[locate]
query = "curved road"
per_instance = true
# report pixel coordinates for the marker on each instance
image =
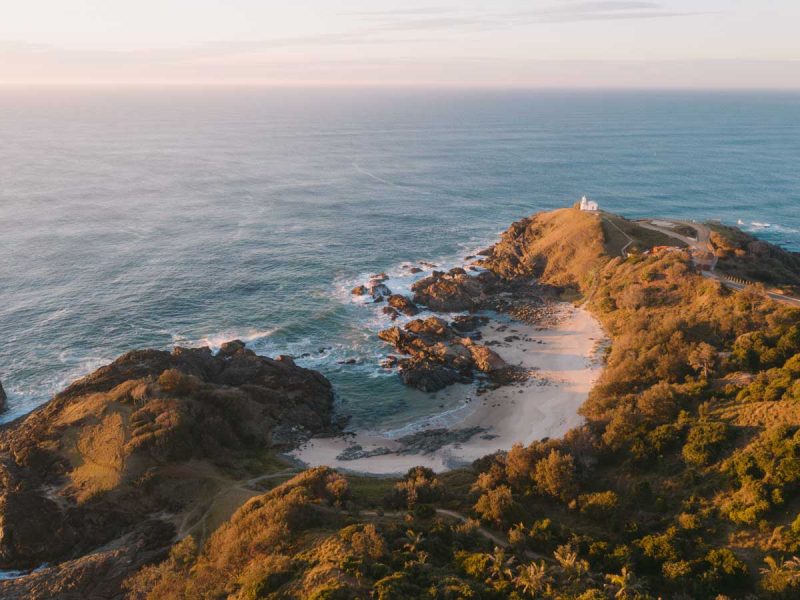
(704, 257)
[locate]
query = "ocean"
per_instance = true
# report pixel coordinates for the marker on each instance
(150, 218)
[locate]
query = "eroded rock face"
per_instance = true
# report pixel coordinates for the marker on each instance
(3, 398)
(139, 438)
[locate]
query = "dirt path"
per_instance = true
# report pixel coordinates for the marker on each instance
(617, 227)
(495, 538)
(231, 495)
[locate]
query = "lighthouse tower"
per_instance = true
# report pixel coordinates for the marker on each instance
(590, 205)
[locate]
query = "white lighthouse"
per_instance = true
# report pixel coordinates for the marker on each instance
(590, 205)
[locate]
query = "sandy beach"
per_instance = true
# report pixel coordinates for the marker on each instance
(564, 361)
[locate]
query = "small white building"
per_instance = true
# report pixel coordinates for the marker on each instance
(587, 204)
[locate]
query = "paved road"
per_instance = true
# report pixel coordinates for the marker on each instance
(703, 251)
(734, 285)
(703, 255)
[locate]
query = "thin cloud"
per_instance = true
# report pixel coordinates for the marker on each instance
(441, 19)
(428, 10)
(604, 10)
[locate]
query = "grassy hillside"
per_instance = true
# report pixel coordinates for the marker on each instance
(684, 482)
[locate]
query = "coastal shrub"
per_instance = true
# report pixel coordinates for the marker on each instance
(176, 382)
(520, 463)
(703, 442)
(473, 564)
(780, 578)
(747, 504)
(724, 571)
(495, 505)
(419, 486)
(600, 505)
(555, 475)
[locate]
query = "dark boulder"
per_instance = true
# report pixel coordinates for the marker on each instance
(431, 378)
(379, 291)
(432, 327)
(465, 323)
(228, 349)
(403, 305)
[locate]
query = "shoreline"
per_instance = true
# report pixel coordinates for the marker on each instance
(564, 361)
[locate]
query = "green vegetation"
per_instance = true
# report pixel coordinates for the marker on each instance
(743, 255)
(684, 482)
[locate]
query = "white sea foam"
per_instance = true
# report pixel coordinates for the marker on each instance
(215, 340)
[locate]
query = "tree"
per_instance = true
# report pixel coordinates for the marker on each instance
(573, 567)
(533, 579)
(625, 584)
(500, 565)
(555, 475)
(702, 358)
(495, 504)
(780, 576)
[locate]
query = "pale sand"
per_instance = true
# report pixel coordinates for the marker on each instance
(566, 365)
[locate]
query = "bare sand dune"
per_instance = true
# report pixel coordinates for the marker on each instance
(564, 359)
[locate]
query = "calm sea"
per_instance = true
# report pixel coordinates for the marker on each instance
(153, 218)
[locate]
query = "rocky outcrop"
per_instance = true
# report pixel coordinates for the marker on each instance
(139, 438)
(402, 305)
(439, 356)
(449, 292)
(561, 248)
(99, 574)
(379, 291)
(3, 398)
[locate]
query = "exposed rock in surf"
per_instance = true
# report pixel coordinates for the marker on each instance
(379, 291)
(449, 292)
(438, 355)
(3, 398)
(231, 348)
(390, 312)
(403, 305)
(359, 290)
(389, 362)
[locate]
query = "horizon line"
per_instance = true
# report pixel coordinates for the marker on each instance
(126, 84)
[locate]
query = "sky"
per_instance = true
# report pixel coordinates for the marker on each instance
(500, 43)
